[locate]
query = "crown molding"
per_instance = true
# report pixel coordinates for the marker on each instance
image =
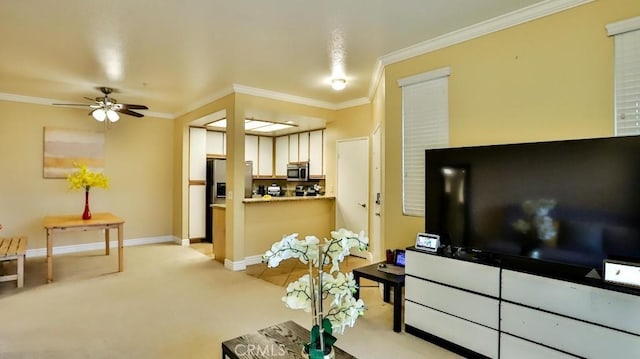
(623, 26)
(27, 99)
(50, 102)
(353, 103)
(502, 22)
(246, 90)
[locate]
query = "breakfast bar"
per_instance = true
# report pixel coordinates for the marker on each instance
(268, 220)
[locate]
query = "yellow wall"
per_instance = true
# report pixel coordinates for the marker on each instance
(353, 122)
(138, 162)
(547, 79)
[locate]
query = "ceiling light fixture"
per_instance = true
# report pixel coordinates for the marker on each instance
(338, 84)
(99, 115)
(112, 115)
(253, 125)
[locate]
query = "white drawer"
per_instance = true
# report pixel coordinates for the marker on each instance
(457, 273)
(459, 331)
(474, 307)
(569, 335)
(596, 305)
(516, 348)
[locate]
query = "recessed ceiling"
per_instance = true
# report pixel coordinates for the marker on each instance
(172, 55)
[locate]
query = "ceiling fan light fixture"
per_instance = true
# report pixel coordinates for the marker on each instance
(338, 84)
(112, 115)
(99, 115)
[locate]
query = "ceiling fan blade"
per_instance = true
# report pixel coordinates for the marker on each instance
(70, 104)
(129, 112)
(89, 98)
(133, 107)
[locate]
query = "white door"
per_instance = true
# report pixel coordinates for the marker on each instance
(352, 186)
(376, 197)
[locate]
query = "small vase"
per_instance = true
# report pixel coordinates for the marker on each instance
(331, 355)
(87, 213)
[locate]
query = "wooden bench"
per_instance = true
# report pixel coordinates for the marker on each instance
(10, 249)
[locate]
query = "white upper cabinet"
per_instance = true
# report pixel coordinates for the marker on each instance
(293, 148)
(265, 156)
(251, 151)
(316, 153)
(303, 147)
(197, 154)
(216, 143)
(282, 155)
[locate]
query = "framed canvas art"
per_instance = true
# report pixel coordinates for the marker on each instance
(64, 147)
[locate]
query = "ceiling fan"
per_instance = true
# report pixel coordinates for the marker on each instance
(106, 107)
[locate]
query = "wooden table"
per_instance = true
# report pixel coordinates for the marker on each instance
(388, 281)
(284, 340)
(68, 223)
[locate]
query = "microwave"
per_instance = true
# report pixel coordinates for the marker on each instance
(298, 171)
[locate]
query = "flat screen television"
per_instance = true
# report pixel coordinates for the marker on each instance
(573, 202)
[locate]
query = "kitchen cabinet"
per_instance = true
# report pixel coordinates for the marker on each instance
(197, 211)
(216, 143)
(197, 154)
(303, 147)
(293, 148)
(251, 151)
(316, 153)
(265, 156)
(259, 150)
(282, 155)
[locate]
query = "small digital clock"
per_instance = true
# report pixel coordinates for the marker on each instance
(428, 242)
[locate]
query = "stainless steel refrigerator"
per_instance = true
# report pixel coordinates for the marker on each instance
(216, 191)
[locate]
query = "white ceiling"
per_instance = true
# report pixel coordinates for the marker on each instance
(173, 55)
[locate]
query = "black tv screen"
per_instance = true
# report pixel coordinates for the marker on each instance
(573, 202)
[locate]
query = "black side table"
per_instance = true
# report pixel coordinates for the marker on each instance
(388, 281)
(282, 341)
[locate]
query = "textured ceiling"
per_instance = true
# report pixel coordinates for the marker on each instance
(172, 55)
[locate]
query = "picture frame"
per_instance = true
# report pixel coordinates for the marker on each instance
(62, 148)
(428, 242)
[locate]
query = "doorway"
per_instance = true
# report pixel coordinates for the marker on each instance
(352, 187)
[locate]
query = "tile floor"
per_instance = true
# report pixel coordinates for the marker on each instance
(289, 270)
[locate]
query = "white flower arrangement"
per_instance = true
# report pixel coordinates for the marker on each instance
(311, 290)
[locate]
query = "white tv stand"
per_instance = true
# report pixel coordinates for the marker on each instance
(491, 311)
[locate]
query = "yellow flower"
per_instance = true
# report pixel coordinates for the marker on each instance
(85, 179)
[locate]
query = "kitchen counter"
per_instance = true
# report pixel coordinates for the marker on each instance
(287, 198)
(267, 220)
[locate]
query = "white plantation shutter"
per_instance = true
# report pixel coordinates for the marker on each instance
(627, 76)
(425, 125)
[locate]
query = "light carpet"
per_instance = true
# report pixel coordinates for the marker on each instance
(170, 302)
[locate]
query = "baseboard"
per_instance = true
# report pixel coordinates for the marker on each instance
(252, 260)
(234, 266)
(41, 252)
(185, 242)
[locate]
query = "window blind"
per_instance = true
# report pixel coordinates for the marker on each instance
(425, 125)
(627, 76)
